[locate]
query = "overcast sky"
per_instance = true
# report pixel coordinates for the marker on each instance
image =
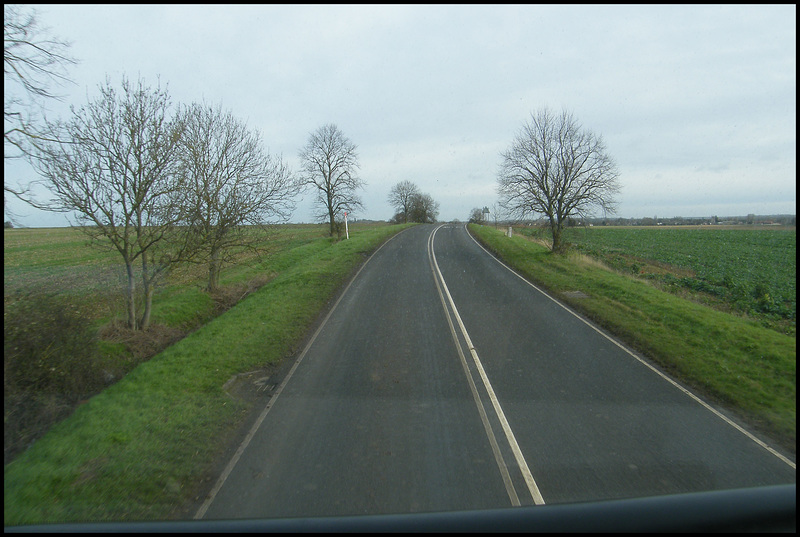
(696, 104)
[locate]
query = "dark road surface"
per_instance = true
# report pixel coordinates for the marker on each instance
(441, 381)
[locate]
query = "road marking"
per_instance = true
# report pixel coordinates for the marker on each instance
(685, 390)
(498, 456)
(533, 488)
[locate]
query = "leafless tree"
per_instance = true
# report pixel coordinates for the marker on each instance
(231, 185)
(400, 197)
(497, 213)
(476, 216)
(557, 169)
(423, 209)
(329, 165)
(113, 166)
(33, 62)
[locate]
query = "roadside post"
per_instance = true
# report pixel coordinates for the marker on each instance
(346, 232)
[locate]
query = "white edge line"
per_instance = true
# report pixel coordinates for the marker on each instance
(641, 360)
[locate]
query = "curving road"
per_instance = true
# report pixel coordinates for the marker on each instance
(442, 381)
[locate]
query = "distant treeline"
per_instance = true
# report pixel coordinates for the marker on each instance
(750, 219)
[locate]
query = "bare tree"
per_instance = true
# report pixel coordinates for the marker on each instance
(497, 213)
(231, 184)
(329, 164)
(114, 167)
(400, 197)
(32, 63)
(423, 209)
(556, 168)
(476, 216)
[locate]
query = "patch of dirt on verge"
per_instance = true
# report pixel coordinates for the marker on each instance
(251, 385)
(254, 389)
(142, 344)
(89, 471)
(228, 296)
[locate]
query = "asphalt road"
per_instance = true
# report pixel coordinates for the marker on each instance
(441, 381)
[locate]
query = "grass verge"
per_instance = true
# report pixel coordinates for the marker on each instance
(746, 367)
(136, 450)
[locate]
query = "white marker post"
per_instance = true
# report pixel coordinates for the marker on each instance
(346, 232)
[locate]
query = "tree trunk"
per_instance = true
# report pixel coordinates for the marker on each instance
(556, 240)
(148, 307)
(213, 271)
(147, 288)
(130, 296)
(555, 228)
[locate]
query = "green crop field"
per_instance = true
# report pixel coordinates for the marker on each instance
(749, 270)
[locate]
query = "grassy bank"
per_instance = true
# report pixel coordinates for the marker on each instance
(136, 450)
(740, 363)
(65, 336)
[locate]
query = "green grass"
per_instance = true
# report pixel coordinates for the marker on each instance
(136, 450)
(749, 270)
(746, 366)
